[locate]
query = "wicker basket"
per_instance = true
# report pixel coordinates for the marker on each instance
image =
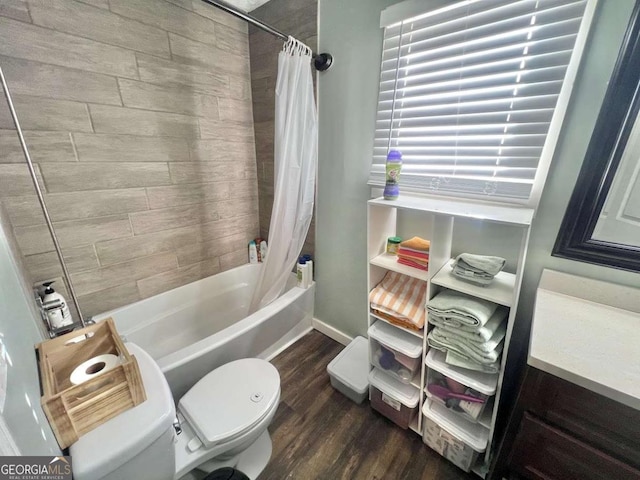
(73, 410)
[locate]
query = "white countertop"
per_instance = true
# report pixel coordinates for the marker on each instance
(593, 344)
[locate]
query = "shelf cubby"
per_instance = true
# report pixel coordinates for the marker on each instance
(439, 220)
(500, 290)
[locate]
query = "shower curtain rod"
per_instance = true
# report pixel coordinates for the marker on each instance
(321, 61)
(39, 194)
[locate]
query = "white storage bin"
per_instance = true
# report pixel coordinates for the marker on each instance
(395, 351)
(449, 385)
(393, 399)
(349, 371)
(453, 437)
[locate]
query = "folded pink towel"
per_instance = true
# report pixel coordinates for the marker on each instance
(411, 263)
(412, 254)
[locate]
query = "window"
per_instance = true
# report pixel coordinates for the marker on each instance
(474, 93)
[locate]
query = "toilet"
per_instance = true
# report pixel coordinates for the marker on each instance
(220, 422)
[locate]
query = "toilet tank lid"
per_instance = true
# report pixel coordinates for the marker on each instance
(231, 399)
(115, 442)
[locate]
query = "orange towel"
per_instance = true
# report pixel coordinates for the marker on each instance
(396, 321)
(400, 296)
(417, 243)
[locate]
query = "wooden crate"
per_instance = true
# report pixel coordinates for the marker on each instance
(73, 410)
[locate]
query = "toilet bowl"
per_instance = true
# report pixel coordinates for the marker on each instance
(220, 422)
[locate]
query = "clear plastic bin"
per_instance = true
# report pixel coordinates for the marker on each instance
(395, 351)
(349, 371)
(393, 399)
(458, 398)
(450, 386)
(456, 439)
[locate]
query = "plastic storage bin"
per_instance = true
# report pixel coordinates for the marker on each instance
(396, 352)
(453, 437)
(393, 399)
(455, 388)
(349, 371)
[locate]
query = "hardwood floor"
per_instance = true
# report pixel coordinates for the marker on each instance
(318, 433)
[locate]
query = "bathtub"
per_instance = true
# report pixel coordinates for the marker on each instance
(193, 329)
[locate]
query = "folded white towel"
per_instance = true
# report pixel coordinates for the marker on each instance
(458, 309)
(480, 333)
(439, 337)
(481, 348)
(469, 276)
(456, 360)
(483, 265)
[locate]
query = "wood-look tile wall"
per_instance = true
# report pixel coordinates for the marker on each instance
(138, 115)
(298, 18)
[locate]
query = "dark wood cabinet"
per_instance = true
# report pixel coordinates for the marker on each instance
(561, 431)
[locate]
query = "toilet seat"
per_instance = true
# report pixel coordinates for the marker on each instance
(231, 400)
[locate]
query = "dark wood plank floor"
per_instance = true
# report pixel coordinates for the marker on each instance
(318, 433)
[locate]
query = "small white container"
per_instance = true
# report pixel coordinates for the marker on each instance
(395, 351)
(393, 399)
(349, 371)
(453, 437)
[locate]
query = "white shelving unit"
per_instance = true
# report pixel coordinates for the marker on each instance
(435, 219)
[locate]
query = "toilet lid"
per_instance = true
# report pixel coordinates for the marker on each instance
(231, 399)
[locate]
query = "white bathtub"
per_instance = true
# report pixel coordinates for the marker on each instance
(195, 328)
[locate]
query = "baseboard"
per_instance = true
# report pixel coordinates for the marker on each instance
(331, 332)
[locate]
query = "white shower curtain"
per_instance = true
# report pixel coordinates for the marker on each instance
(295, 158)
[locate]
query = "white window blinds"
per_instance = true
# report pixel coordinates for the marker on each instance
(468, 93)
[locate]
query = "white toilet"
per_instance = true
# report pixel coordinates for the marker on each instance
(223, 418)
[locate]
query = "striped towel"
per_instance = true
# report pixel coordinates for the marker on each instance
(411, 263)
(413, 254)
(400, 296)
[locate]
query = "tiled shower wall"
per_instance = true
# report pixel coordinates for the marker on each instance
(138, 116)
(298, 18)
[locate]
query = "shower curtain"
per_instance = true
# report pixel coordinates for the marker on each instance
(296, 158)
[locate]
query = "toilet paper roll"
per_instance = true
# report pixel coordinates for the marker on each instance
(93, 367)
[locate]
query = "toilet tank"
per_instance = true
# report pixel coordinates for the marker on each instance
(138, 443)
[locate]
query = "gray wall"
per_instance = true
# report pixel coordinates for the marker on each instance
(347, 102)
(589, 90)
(298, 18)
(19, 331)
(138, 115)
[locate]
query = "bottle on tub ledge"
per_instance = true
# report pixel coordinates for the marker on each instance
(253, 252)
(309, 261)
(304, 271)
(56, 308)
(257, 250)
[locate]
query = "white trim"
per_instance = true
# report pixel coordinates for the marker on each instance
(555, 127)
(331, 332)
